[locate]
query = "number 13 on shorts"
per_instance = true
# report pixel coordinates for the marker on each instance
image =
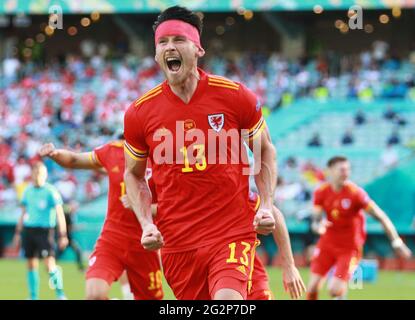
(244, 259)
(243, 253)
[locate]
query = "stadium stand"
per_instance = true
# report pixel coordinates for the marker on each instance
(77, 101)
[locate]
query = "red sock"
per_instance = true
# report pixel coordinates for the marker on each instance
(312, 295)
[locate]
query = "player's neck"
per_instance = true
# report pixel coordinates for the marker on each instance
(337, 186)
(187, 88)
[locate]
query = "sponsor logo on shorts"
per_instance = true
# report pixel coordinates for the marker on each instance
(241, 269)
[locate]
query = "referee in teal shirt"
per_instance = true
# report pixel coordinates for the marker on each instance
(41, 211)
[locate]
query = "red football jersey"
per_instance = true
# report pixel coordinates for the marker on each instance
(119, 222)
(200, 200)
(344, 209)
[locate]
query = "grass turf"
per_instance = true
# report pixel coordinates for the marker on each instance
(390, 284)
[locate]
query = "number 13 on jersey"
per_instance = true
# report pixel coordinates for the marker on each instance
(200, 164)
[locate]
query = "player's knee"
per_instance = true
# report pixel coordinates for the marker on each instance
(336, 291)
(314, 284)
(96, 295)
(96, 292)
(312, 287)
(32, 265)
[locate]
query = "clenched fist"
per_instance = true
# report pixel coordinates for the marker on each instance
(47, 150)
(264, 221)
(151, 238)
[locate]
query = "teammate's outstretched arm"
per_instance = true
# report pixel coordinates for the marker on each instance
(293, 283)
(75, 160)
(140, 201)
(265, 180)
(69, 159)
(397, 244)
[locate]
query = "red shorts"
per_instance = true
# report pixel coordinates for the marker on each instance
(108, 262)
(260, 282)
(345, 261)
(198, 274)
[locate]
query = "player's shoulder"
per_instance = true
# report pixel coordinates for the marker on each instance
(219, 82)
(103, 148)
(148, 97)
(353, 187)
(117, 144)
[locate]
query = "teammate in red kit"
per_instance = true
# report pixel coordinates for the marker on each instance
(343, 231)
(291, 277)
(204, 224)
(118, 247)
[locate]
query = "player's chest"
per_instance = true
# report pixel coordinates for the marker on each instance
(211, 116)
(339, 207)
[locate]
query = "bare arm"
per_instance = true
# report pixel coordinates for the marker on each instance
(291, 277)
(265, 157)
(282, 238)
(390, 229)
(127, 204)
(139, 196)
(265, 180)
(60, 217)
(69, 159)
(19, 226)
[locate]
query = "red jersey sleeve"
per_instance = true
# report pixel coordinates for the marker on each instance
(252, 121)
(362, 199)
(100, 155)
(135, 143)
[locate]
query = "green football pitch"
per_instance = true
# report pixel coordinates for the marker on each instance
(389, 285)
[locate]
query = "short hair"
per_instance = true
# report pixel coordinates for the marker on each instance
(336, 159)
(180, 13)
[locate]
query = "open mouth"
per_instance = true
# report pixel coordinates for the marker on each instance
(173, 64)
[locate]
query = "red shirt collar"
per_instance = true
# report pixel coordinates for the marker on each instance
(200, 89)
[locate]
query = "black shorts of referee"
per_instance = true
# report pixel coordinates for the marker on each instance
(38, 242)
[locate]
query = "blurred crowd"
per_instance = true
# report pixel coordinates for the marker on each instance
(79, 103)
